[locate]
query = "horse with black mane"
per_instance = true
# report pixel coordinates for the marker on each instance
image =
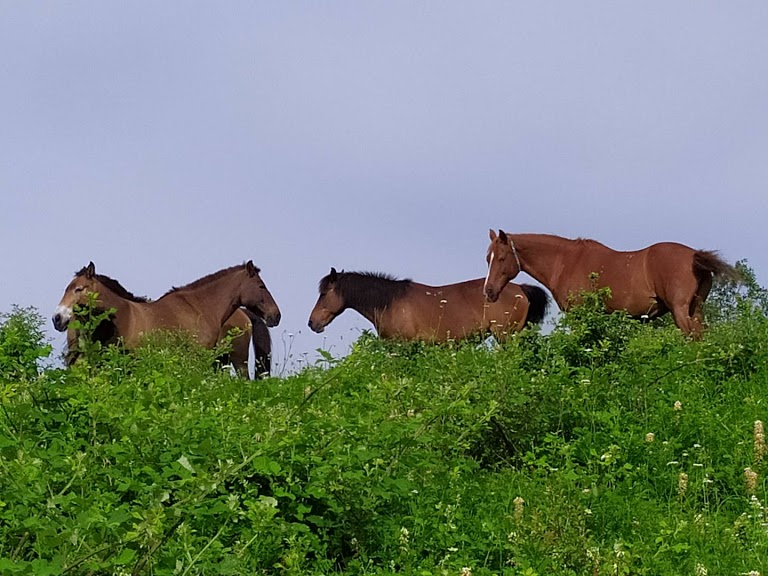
(407, 310)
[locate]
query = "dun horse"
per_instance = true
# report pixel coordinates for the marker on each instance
(664, 277)
(197, 307)
(406, 310)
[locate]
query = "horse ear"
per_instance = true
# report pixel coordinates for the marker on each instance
(250, 268)
(90, 270)
(492, 234)
(332, 276)
(503, 236)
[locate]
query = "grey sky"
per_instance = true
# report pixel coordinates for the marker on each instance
(167, 140)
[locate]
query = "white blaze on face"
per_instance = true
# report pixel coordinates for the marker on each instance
(488, 275)
(64, 313)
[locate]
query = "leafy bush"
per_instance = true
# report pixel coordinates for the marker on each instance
(22, 344)
(607, 447)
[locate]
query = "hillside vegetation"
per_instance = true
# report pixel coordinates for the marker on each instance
(606, 447)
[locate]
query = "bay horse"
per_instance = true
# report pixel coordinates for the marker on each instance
(251, 331)
(208, 308)
(661, 278)
(260, 338)
(407, 310)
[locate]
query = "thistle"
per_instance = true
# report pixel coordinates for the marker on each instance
(760, 447)
(750, 479)
(519, 503)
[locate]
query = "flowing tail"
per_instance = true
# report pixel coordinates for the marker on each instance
(709, 263)
(538, 303)
(262, 346)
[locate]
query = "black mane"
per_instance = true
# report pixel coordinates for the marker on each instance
(366, 290)
(114, 286)
(207, 279)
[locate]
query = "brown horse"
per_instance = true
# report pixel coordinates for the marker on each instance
(250, 329)
(208, 307)
(406, 310)
(248, 322)
(664, 277)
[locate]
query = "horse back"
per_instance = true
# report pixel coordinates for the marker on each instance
(454, 311)
(634, 278)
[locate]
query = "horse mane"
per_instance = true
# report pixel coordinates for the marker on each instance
(589, 241)
(114, 286)
(205, 279)
(366, 290)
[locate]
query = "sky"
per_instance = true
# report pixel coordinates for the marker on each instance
(166, 140)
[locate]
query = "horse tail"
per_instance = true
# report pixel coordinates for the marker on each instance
(262, 346)
(709, 263)
(538, 303)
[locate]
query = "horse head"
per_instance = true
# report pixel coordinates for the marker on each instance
(255, 297)
(75, 294)
(329, 304)
(503, 264)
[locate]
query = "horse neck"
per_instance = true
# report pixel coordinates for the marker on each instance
(367, 310)
(542, 255)
(365, 301)
(109, 299)
(217, 299)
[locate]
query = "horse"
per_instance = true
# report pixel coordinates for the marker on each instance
(407, 310)
(664, 277)
(250, 330)
(248, 322)
(208, 308)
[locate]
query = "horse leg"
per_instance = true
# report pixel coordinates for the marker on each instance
(688, 315)
(239, 354)
(697, 303)
(262, 348)
(680, 313)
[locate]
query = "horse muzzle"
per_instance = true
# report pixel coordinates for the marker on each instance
(272, 320)
(490, 294)
(315, 327)
(61, 318)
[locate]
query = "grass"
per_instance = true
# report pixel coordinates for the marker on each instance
(605, 447)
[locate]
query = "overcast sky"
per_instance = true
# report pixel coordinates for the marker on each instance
(168, 140)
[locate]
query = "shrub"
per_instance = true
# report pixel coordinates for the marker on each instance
(607, 447)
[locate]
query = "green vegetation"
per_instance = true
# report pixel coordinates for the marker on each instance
(606, 447)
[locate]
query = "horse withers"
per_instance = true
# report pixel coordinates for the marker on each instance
(407, 310)
(664, 277)
(207, 308)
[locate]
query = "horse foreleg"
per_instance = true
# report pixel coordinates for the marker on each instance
(238, 356)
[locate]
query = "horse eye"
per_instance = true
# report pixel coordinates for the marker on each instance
(79, 289)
